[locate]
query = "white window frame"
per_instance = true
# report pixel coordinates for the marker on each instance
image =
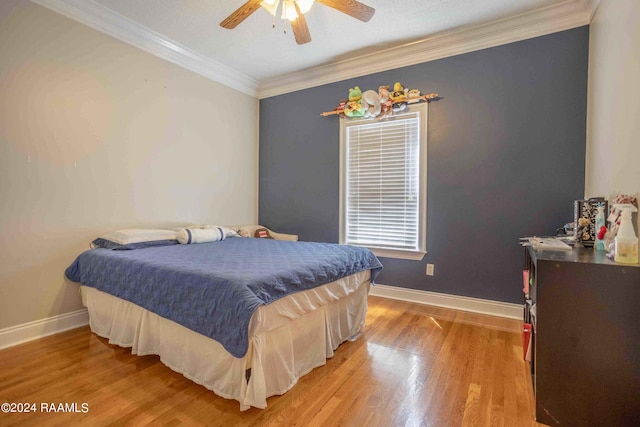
(421, 111)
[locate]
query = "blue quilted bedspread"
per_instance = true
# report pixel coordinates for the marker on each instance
(214, 288)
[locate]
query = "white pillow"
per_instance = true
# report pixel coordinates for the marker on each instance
(187, 236)
(137, 235)
(228, 231)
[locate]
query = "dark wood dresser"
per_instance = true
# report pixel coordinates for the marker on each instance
(585, 359)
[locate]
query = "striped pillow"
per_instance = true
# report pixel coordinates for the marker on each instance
(187, 236)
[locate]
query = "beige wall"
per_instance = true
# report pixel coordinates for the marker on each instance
(613, 130)
(97, 135)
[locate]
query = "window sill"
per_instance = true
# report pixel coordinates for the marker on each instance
(398, 254)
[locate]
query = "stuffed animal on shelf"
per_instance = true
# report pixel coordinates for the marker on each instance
(385, 101)
(371, 103)
(398, 107)
(354, 107)
(380, 105)
(413, 93)
(383, 94)
(398, 92)
(397, 96)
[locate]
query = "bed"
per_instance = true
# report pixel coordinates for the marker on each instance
(244, 317)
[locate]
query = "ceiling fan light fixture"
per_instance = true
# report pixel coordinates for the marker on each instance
(288, 7)
(289, 10)
(294, 11)
(271, 6)
(305, 5)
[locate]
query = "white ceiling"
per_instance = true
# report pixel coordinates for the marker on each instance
(263, 61)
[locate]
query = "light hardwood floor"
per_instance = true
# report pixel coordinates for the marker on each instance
(413, 365)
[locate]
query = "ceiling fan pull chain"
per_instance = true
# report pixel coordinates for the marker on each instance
(284, 21)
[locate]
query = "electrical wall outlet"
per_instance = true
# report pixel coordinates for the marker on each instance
(430, 269)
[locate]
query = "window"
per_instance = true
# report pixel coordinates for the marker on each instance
(383, 183)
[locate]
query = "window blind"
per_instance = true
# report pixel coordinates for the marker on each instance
(382, 203)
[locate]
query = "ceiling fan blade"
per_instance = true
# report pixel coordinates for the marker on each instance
(241, 14)
(299, 27)
(351, 7)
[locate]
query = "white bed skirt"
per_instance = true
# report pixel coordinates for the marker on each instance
(287, 338)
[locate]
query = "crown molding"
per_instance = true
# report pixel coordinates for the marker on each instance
(564, 16)
(105, 20)
(592, 7)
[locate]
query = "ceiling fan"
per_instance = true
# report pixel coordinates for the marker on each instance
(294, 11)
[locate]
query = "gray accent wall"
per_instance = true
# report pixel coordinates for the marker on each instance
(506, 156)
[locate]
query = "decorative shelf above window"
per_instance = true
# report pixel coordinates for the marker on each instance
(384, 103)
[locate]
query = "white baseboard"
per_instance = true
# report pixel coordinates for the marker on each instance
(19, 334)
(475, 305)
